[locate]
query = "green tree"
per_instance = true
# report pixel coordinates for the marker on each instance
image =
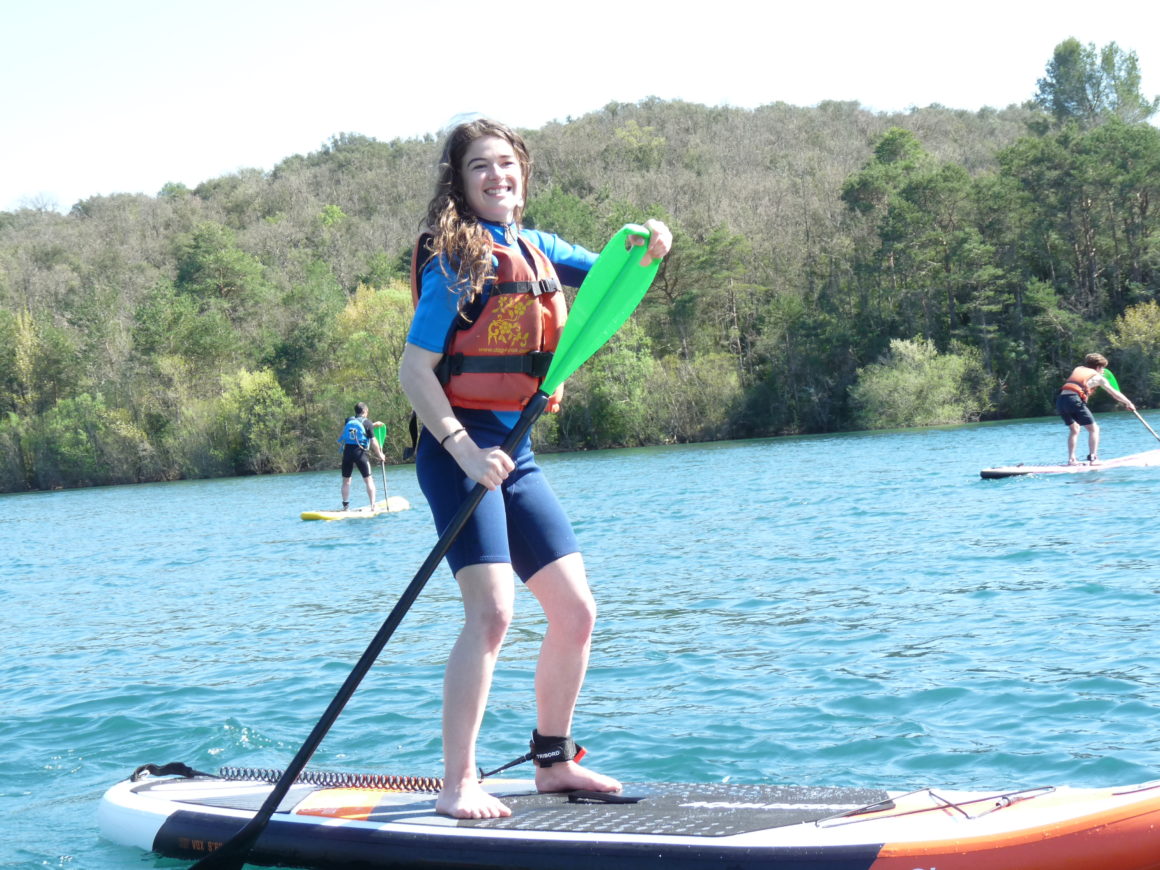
(15, 463)
(307, 342)
(181, 419)
(1089, 86)
(43, 365)
(702, 300)
(223, 278)
(256, 424)
(897, 155)
(82, 442)
(1126, 158)
(640, 146)
(10, 378)
(369, 336)
(920, 209)
(915, 385)
(555, 211)
(607, 401)
(693, 400)
(1086, 199)
(171, 323)
(1135, 336)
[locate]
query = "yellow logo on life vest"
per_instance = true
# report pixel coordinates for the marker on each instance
(507, 331)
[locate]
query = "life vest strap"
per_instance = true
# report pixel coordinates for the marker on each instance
(1075, 388)
(544, 285)
(535, 363)
(413, 430)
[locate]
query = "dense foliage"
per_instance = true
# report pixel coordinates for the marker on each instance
(834, 268)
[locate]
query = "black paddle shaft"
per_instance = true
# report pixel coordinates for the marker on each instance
(231, 854)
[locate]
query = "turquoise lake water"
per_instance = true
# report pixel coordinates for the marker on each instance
(857, 609)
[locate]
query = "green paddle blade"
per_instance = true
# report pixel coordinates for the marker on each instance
(380, 431)
(1111, 379)
(614, 287)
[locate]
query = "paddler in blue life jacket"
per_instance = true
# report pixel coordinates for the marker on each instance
(357, 439)
(489, 311)
(1071, 404)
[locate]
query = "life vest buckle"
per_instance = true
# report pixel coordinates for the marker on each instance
(539, 361)
(451, 364)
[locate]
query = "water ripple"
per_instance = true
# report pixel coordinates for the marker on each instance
(854, 610)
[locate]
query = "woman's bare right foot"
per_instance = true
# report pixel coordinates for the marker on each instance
(469, 801)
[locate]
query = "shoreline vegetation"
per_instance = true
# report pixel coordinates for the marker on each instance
(833, 269)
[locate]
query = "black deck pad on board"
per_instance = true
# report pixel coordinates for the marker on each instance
(681, 809)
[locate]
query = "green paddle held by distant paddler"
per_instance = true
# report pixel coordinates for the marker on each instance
(611, 292)
(1116, 386)
(380, 430)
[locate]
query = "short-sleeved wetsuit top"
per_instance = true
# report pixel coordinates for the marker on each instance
(522, 522)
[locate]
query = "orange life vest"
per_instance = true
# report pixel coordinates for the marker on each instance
(497, 354)
(1077, 381)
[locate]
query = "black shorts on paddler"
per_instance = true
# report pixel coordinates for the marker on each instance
(353, 455)
(1073, 409)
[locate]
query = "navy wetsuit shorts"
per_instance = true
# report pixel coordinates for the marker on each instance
(521, 523)
(1073, 409)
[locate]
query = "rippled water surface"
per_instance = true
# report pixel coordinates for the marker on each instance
(850, 610)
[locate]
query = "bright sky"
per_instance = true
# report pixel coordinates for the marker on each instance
(110, 96)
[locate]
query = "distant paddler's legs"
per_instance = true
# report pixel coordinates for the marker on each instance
(1072, 440)
(1093, 430)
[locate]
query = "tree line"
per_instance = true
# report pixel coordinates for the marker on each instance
(833, 269)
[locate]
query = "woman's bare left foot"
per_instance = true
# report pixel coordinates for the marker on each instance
(570, 776)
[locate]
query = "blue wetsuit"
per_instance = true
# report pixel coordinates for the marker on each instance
(522, 522)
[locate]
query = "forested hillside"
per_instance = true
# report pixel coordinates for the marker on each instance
(833, 268)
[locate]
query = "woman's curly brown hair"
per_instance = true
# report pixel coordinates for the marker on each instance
(458, 240)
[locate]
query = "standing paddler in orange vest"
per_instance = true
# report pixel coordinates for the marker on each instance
(1071, 404)
(489, 312)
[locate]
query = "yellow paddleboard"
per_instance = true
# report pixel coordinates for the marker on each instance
(392, 505)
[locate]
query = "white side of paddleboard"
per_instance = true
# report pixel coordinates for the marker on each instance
(676, 825)
(128, 825)
(1136, 460)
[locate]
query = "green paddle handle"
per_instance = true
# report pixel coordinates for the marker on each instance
(1116, 386)
(380, 430)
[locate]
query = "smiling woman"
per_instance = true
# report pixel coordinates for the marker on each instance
(489, 316)
(494, 179)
